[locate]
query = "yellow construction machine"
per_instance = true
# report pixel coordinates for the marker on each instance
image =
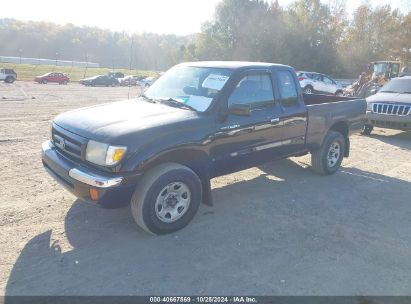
(377, 74)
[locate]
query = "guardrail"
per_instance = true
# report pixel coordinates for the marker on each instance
(56, 62)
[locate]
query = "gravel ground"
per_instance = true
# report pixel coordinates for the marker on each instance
(276, 229)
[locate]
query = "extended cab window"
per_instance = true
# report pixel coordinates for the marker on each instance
(287, 89)
(255, 90)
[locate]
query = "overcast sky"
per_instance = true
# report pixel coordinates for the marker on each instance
(158, 16)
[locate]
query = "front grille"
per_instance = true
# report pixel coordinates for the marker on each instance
(68, 143)
(391, 109)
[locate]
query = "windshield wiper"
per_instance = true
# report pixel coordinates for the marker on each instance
(145, 97)
(388, 92)
(405, 92)
(179, 104)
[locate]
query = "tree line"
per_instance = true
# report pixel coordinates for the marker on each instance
(307, 34)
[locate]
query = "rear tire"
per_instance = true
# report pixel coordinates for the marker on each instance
(308, 90)
(44, 81)
(367, 129)
(327, 159)
(166, 199)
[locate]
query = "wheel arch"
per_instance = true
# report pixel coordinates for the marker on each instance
(195, 159)
(342, 127)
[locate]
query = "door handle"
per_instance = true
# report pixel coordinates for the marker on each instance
(275, 121)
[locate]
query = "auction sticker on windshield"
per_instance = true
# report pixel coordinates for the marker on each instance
(215, 82)
(200, 103)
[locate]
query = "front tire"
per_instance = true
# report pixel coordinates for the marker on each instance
(367, 129)
(327, 159)
(166, 199)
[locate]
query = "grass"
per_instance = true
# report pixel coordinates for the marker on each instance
(29, 71)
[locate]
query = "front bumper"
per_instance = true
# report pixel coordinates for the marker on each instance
(114, 190)
(388, 121)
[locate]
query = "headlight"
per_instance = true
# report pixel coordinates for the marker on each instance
(104, 154)
(369, 106)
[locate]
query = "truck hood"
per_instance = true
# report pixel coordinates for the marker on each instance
(112, 122)
(390, 98)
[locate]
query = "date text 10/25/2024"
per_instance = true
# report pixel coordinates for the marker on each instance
(203, 299)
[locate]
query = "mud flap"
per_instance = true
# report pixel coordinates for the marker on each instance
(347, 147)
(207, 198)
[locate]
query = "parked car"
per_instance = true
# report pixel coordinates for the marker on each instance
(160, 151)
(146, 82)
(8, 75)
(390, 107)
(52, 77)
(100, 80)
(129, 80)
(115, 74)
(312, 82)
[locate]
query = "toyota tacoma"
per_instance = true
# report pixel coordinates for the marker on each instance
(196, 122)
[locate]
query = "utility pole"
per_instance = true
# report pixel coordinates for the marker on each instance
(85, 71)
(131, 52)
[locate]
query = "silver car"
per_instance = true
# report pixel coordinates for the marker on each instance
(146, 82)
(391, 107)
(312, 82)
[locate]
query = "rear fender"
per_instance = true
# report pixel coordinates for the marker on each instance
(342, 127)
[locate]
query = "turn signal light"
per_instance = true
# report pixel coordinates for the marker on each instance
(94, 194)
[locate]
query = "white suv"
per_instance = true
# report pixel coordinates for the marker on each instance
(7, 75)
(312, 82)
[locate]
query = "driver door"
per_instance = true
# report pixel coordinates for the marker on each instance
(243, 141)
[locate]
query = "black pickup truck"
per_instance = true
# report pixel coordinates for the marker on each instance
(198, 121)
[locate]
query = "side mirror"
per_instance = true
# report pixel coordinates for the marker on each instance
(240, 109)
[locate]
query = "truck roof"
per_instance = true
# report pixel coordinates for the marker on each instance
(232, 64)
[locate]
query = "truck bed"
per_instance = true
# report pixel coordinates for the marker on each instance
(325, 111)
(315, 99)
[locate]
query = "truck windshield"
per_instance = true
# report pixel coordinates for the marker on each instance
(194, 86)
(397, 85)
